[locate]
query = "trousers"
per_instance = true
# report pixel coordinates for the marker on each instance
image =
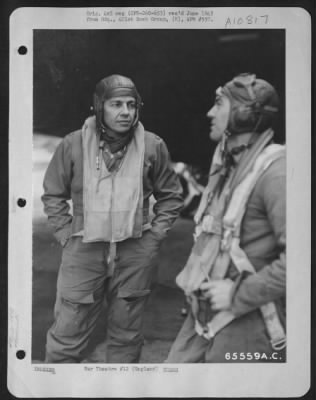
(83, 283)
(244, 339)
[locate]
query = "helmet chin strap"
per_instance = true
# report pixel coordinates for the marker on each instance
(235, 150)
(223, 144)
(136, 118)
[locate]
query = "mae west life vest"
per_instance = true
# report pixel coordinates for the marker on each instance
(113, 201)
(224, 240)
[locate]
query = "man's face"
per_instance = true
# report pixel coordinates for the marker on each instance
(219, 116)
(119, 113)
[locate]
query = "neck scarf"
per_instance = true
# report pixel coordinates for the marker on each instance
(115, 144)
(113, 148)
(112, 161)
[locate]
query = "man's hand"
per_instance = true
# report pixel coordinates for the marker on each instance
(219, 292)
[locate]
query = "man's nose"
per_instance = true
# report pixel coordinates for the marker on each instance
(210, 113)
(124, 109)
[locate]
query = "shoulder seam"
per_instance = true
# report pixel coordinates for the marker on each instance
(154, 135)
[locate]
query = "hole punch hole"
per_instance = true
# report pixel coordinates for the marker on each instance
(20, 354)
(22, 50)
(21, 202)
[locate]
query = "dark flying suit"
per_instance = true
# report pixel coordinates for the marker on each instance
(82, 279)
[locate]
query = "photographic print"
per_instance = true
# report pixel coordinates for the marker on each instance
(156, 175)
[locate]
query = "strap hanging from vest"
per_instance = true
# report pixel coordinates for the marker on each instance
(111, 258)
(268, 311)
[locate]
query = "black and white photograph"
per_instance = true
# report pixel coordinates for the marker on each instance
(161, 172)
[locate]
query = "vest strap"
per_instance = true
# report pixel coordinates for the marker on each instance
(230, 243)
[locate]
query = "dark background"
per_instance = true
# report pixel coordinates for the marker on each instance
(175, 71)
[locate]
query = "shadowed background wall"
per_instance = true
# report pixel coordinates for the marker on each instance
(175, 71)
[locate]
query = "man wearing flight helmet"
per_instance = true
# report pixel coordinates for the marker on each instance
(234, 278)
(109, 169)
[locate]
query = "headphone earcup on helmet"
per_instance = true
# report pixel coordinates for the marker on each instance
(242, 113)
(136, 119)
(97, 104)
(243, 116)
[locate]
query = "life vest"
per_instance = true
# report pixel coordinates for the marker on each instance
(224, 248)
(112, 201)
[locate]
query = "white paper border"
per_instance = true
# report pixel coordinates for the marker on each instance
(290, 379)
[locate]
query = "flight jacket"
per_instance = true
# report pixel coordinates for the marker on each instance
(63, 181)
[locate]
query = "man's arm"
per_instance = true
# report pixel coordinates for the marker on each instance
(251, 291)
(57, 191)
(269, 283)
(167, 191)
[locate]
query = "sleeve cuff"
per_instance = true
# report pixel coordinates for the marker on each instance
(62, 235)
(237, 311)
(159, 232)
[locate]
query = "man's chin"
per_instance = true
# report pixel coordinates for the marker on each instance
(215, 136)
(123, 132)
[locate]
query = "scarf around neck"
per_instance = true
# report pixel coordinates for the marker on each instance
(115, 144)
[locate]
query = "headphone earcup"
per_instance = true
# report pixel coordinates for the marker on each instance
(244, 115)
(97, 104)
(136, 119)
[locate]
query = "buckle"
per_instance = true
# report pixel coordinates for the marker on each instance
(207, 223)
(208, 333)
(227, 239)
(278, 344)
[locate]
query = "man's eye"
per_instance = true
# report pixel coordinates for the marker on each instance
(132, 106)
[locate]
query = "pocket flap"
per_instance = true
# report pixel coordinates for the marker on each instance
(132, 293)
(80, 299)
